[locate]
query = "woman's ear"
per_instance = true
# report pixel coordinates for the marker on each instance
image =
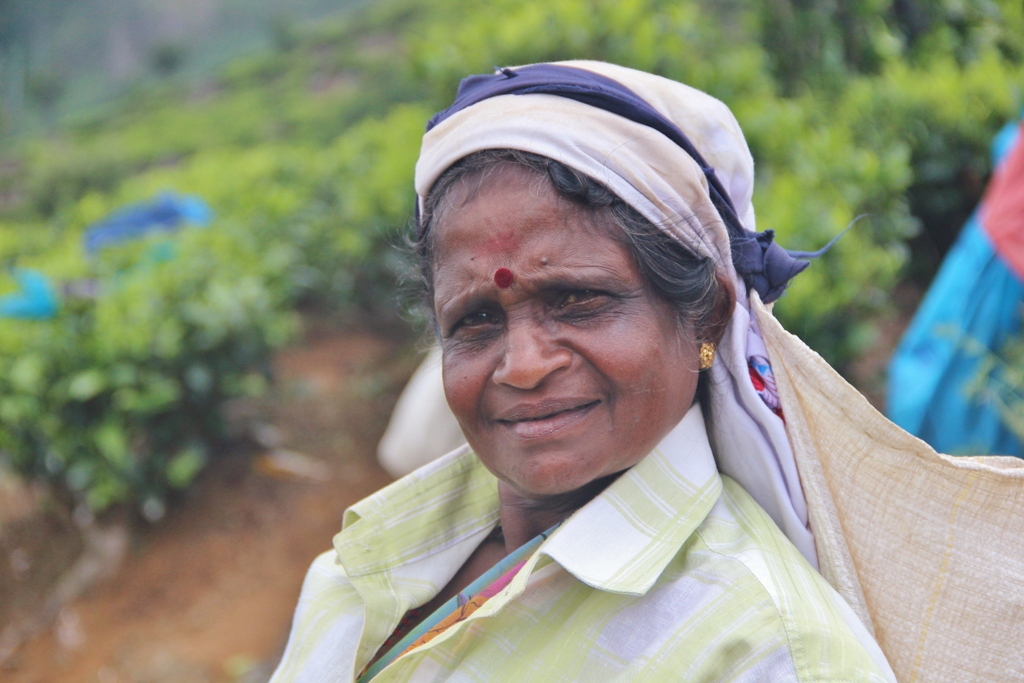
(720, 316)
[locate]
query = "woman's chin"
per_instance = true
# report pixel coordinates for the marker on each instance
(554, 479)
(554, 466)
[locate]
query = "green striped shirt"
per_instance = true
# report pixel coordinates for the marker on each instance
(672, 573)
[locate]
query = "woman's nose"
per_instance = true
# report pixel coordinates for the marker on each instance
(530, 356)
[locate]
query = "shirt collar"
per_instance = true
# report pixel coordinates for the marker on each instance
(621, 541)
(434, 509)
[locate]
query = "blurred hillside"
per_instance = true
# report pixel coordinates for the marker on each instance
(60, 57)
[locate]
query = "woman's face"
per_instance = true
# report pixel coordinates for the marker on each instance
(575, 371)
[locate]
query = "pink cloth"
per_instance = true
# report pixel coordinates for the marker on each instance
(1003, 204)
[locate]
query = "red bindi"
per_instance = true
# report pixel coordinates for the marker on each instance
(504, 278)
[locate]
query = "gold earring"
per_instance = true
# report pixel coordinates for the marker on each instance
(707, 355)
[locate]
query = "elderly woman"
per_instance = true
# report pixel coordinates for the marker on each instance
(628, 507)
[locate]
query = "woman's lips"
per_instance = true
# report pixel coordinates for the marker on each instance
(534, 422)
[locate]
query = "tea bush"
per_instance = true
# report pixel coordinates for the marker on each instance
(119, 396)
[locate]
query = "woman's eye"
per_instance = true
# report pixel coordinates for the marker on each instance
(578, 297)
(478, 318)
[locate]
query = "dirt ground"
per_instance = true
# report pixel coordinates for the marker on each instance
(206, 595)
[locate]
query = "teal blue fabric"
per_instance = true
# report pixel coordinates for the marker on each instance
(974, 300)
(34, 300)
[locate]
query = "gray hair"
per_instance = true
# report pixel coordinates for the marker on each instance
(670, 270)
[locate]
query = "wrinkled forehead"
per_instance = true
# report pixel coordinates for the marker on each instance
(513, 192)
(477, 173)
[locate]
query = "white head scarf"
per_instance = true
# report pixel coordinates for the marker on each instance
(667, 186)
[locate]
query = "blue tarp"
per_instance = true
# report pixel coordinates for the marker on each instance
(166, 213)
(35, 300)
(974, 300)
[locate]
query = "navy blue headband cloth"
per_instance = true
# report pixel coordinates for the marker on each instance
(764, 265)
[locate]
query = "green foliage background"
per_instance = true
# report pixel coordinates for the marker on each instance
(306, 157)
